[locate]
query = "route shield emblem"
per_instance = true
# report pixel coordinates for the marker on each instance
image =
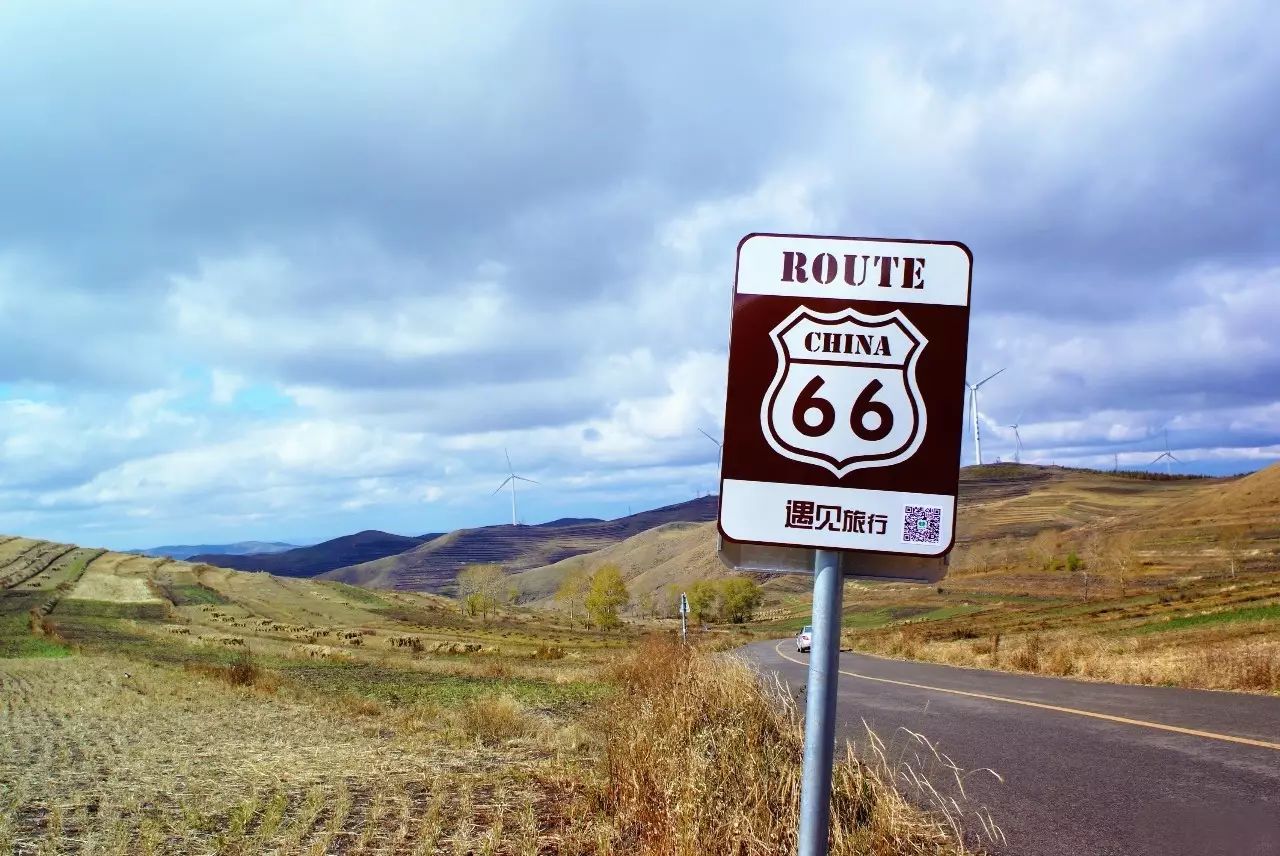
(845, 396)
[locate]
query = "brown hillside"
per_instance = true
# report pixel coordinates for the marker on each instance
(1020, 500)
(676, 553)
(1004, 504)
(434, 566)
(1252, 501)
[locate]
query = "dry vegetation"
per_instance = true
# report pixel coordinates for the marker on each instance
(677, 553)
(100, 585)
(1114, 577)
(109, 755)
(1018, 524)
(1214, 634)
(264, 715)
(702, 757)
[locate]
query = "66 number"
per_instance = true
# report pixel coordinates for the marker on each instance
(863, 407)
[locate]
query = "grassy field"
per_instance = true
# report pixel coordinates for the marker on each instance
(151, 707)
(1207, 634)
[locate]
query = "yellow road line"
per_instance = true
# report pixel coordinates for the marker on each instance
(1212, 735)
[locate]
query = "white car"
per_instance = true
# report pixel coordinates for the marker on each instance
(804, 639)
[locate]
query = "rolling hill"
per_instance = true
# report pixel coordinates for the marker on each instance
(675, 553)
(318, 558)
(1253, 501)
(1002, 507)
(433, 566)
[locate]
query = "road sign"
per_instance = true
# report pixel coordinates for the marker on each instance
(845, 402)
(842, 434)
(684, 604)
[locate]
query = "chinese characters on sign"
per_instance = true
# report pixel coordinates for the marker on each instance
(804, 514)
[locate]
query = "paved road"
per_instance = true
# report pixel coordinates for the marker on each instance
(1088, 768)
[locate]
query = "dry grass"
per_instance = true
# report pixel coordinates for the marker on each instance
(691, 755)
(1250, 664)
(242, 671)
(496, 719)
(103, 586)
(1208, 633)
(703, 758)
(107, 755)
(149, 739)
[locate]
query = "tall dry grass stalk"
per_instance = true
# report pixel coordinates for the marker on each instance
(704, 758)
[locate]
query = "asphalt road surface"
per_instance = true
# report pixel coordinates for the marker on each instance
(1088, 768)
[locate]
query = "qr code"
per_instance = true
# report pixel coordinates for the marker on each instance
(922, 524)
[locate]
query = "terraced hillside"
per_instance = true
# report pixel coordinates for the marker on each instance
(1021, 500)
(434, 566)
(1003, 509)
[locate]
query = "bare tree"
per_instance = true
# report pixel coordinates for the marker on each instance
(1122, 558)
(1043, 550)
(1233, 540)
(573, 591)
(977, 557)
(1094, 561)
(482, 588)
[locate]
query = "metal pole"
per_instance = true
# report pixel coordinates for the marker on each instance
(684, 611)
(820, 707)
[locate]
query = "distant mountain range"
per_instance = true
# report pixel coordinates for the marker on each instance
(240, 548)
(431, 562)
(309, 561)
(434, 565)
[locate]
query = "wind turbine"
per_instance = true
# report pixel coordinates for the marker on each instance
(1017, 451)
(511, 480)
(719, 445)
(973, 411)
(1166, 456)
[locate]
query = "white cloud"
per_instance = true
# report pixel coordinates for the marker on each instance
(444, 233)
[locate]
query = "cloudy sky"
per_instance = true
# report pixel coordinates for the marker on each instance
(280, 270)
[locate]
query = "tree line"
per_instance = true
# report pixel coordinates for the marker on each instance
(598, 598)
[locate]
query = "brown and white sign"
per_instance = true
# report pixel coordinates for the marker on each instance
(846, 394)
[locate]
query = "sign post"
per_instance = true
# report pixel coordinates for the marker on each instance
(843, 422)
(684, 612)
(820, 704)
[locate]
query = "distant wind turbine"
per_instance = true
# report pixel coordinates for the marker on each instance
(973, 411)
(719, 445)
(719, 450)
(1017, 450)
(1166, 456)
(511, 480)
